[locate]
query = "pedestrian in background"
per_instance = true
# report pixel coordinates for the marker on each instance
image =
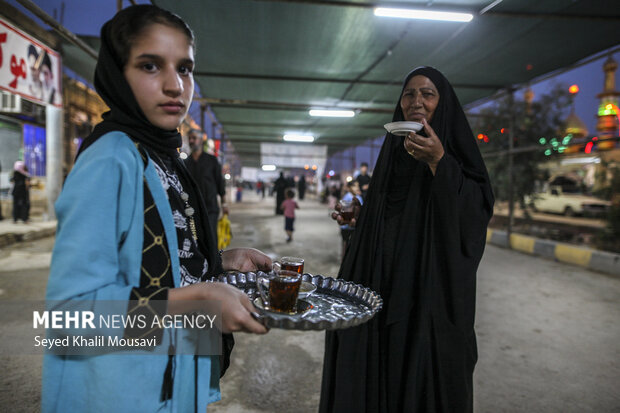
(301, 186)
(363, 179)
(21, 192)
(279, 186)
(353, 192)
(259, 187)
(207, 172)
(288, 208)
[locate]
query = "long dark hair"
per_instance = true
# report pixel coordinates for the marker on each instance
(129, 23)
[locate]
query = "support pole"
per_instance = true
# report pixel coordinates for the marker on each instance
(511, 137)
(203, 108)
(212, 135)
(53, 166)
(223, 147)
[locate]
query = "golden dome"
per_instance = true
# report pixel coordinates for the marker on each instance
(575, 126)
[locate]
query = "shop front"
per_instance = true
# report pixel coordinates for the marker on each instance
(31, 126)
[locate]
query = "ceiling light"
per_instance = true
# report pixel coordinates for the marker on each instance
(423, 14)
(332, 113)
(298, 138)
(269, 167)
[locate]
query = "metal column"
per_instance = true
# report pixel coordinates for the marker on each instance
(53, 168)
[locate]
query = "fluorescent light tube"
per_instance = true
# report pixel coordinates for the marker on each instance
(298, 138)
(424, 14)
(332, 113)
(269, 167)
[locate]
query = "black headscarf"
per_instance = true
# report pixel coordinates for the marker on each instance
(452, 128)
(125, 114)
(410, 357)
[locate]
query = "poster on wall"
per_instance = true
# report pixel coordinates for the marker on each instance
(28, 68)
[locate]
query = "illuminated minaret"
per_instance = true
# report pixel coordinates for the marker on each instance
(607, 125)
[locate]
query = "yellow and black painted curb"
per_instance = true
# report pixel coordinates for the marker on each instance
(602, 261)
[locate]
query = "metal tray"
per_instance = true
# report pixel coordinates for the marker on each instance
(336, 304)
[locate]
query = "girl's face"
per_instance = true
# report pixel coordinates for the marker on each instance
(420, 99)
(159, 72)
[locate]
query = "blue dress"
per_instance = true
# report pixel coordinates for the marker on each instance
(97, 256)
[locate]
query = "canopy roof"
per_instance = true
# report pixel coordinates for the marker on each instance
(262, 64)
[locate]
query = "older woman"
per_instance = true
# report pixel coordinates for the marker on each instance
(419, 239)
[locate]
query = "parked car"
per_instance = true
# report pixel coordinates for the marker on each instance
(561, 200)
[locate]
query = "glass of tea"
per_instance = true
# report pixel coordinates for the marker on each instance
(346, 210)
(282, 290)
(289, 264)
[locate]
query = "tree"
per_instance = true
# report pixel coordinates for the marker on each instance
(538, 132)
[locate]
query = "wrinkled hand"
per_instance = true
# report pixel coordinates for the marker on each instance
(426, 149)
(245, 259)
(337, 216)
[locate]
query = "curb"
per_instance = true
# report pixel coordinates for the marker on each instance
(13, 238)
(606, 262)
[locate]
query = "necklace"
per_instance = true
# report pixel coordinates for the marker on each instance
(189, 211)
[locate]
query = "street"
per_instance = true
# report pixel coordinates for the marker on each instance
(548, 333)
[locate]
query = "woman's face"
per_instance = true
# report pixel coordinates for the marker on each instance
(159, 72)
(419, 99)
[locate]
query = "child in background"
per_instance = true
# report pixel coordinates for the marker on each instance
(353, 191)
(289, 206)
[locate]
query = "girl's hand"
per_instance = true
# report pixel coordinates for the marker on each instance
(245, 259)
(213, 298)
(426, 149)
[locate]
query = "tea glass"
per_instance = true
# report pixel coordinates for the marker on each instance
(282, 290)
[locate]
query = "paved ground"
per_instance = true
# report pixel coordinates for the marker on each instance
(548, 332)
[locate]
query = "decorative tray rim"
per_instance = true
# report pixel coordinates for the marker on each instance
(356, 293)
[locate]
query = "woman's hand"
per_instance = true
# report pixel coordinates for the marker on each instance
(337, 214)
(245, 259)
(426, 149)
(233, 305)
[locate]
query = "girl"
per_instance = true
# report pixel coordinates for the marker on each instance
(132, 225)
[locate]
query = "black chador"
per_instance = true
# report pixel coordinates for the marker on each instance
(418, 242)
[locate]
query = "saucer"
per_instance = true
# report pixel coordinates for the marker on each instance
(302, 307)
(402, 128)
(306, 288)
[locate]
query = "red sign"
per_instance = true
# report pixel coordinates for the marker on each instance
(29, 68)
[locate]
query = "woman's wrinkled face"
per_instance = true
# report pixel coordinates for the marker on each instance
(159, 72)
(419, 99)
